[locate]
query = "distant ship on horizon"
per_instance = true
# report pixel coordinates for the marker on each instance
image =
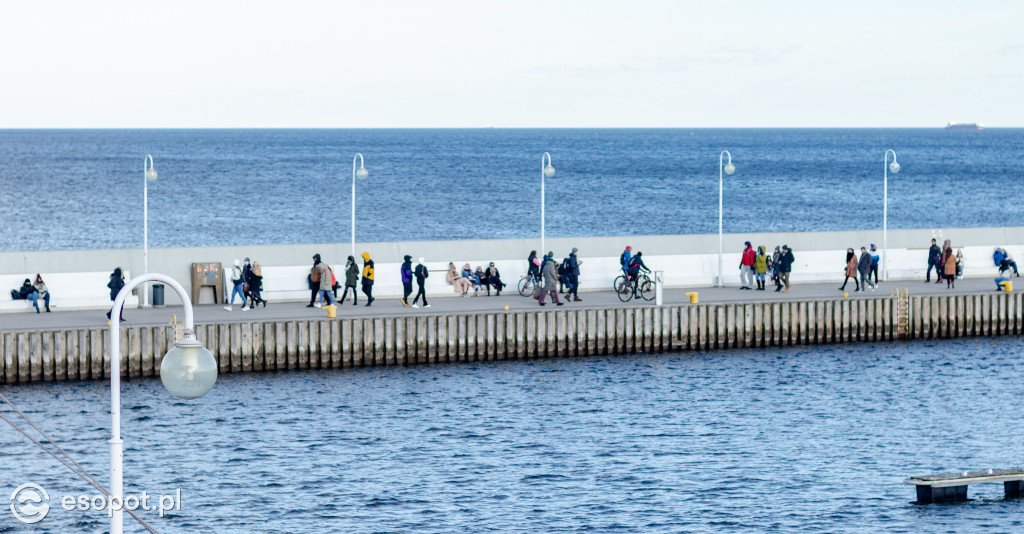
(953, 125)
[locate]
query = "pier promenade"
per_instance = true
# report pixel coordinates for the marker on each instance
(284, 336)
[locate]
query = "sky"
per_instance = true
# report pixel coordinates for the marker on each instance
(440, 64)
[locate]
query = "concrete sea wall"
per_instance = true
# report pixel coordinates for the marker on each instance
(83, 354)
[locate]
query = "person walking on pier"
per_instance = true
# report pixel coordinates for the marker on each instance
(550, 273)
(776, 266)
(747, 267)
(864, 268)
(115, 284)
(326, 283)
(246, 273)
(760, 267)
(949, 268)
(255, 282)
(851, 270)
(874, 262)
(237, 285)
(368, 278)
(421, 274)
(351, 279)
(406, 271)
(785, 267)
(573, 275)
(934, 256)
(314, 280)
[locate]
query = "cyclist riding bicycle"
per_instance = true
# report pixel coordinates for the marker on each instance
(624, 261)
(636, 264)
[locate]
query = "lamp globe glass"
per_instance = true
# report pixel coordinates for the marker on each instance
(729, 168)
(362, 173)
(549, 171)
(188, 370)
(894, 167)
(151, 175)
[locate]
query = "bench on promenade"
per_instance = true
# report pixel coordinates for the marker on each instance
(953, 486)
(68, 291)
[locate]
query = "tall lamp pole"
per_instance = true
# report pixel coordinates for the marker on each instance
(188, 371)
(546, 171)
(728, 168)
(148, 175)
(360, 173)
(895, 168)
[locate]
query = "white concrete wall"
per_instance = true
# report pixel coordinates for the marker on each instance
(688, 260)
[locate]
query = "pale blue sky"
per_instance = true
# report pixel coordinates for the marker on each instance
(526, 63)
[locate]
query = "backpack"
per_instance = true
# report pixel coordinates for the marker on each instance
(622, 259)
(15, 294)
(334, 281)
(564, 268)
(314, 276)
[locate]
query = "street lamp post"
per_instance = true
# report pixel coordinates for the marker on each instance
(728, 168)
(895, 168)
(545, 172)
(360, 173)
(188, 371)
(148, 175)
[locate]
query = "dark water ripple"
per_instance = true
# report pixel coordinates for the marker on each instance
(779, 440)
(82, 189)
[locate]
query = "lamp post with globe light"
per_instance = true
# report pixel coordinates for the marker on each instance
(728, 168)
(360, 173)
(187, 371)
(545, 172)
(895, 168)
(148, 175)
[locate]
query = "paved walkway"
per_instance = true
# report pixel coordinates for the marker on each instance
(207, 314)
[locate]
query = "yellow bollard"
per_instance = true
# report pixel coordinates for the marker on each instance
(332, 311)
(693, 297)
(1007, 285)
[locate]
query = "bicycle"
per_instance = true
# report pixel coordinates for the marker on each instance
(527, 284)
(625, 289)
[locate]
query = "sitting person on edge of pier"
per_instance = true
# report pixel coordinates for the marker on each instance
(485, 281)
(458, 283)
(1004, 261)
(960, 264)
(42, 292)
(494, 277)
(28, 292)
(469, 275)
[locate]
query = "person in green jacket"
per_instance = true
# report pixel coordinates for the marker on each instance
(760, 267)
(351, 280)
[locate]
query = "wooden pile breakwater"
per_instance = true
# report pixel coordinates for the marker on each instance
(83, 354)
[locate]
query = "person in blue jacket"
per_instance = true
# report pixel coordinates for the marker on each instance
(874, 263)
(624, 260)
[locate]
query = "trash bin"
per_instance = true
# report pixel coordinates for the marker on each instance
(158, 295)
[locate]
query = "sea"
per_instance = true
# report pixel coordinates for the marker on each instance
(787, 440)
(83, 189)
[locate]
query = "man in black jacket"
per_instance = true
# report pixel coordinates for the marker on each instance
(785, 267)
(934, 256)
(864, 268)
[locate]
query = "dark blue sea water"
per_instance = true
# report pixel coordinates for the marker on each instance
(810, 439)
(73, 189)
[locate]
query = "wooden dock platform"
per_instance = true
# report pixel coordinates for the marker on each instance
(953, 486)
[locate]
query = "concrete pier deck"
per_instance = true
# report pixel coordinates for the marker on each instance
(284, 336)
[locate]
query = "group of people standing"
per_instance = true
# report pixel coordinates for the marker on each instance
(247, 283)
(754, 267)
(947, 265)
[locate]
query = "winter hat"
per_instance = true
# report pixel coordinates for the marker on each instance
(422, 260)
(551, 254)
(629, 247)
(316, 257)
(237, 263)
(408, 257)
(575, 250)
(747, 243)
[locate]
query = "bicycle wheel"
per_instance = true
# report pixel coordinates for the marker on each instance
(526, 286)
(617, 283)
(647, 289)
(623, 289)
